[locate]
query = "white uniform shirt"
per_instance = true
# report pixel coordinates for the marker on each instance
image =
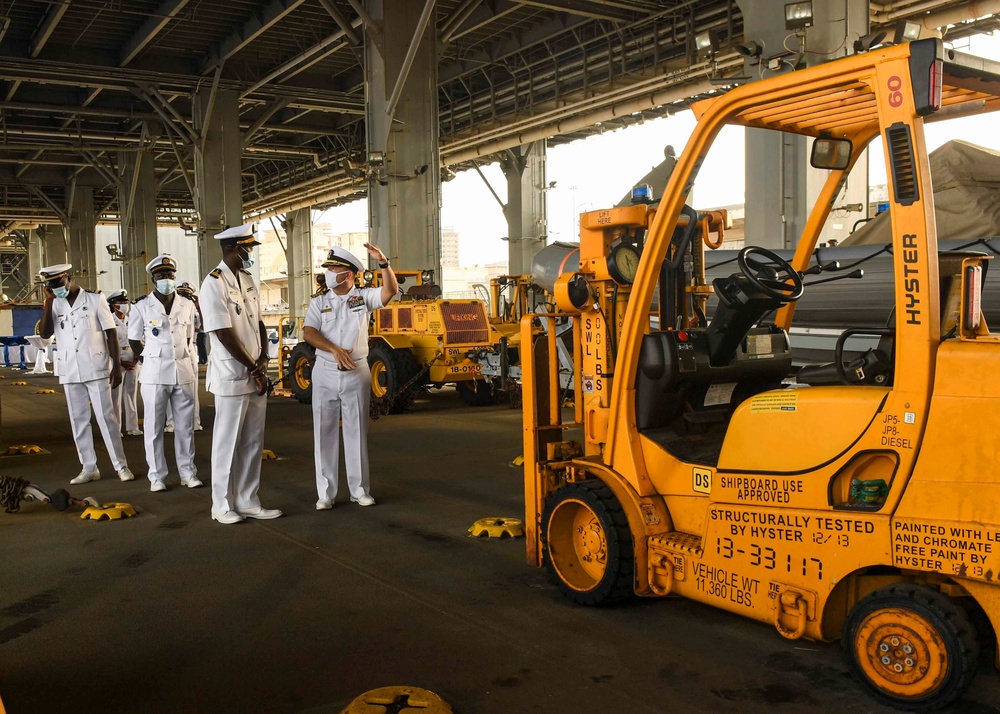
(124, 348)
(343, 319)
(226, 302)
(168, 338)
(81, 345)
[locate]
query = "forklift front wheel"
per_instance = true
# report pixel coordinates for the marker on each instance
(913, 648)
(588, 544)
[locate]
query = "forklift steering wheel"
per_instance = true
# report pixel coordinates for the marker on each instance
(770, 273)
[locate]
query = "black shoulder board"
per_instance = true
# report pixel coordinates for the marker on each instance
(93, 292)
(217, 273)
(141, 297)
(321, 291)
(187, 296)
(245, 272)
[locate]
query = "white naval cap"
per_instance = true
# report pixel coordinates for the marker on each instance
(163, 261)
(186, 288)
(118, 295)
(344, 258)
(55, 271)
(244, 235)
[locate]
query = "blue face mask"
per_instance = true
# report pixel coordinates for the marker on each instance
(247, 261)
(166, 286)
(61, 292)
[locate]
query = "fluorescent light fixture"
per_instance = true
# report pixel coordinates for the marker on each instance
(798, 15)
(906, 31)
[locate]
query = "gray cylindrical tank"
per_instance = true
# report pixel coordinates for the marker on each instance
(552, 261)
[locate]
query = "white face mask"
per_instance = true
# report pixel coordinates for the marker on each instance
(334, 280)
(123, 308)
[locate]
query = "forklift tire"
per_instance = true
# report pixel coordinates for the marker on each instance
(476, 392)
(912, 647)
(300, 363)
(587, 544)
(391, 369)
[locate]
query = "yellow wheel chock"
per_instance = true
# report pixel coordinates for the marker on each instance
(108, 512)
(46, 391)
(23, 449)
(267, 455)
(19, 384)
(398, 699)
(518, 462)
(497, 527)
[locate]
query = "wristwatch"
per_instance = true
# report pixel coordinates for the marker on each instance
(383, 266)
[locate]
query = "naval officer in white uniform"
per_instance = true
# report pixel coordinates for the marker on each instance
(87, 365)
(336, 325)
(162, 335)
(124, 394)
(237, 376)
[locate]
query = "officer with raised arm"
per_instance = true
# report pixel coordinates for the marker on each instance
(336, 325)
(237, 376)
(87, 365)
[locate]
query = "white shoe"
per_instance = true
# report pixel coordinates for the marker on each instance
(226, 517)
(193, 482)
(86, 477)
(260, 513)
(168, 429)
(324, 504)
(199, 427)
(134, 432)
(125, 474)
(157, 486)
(363, 500)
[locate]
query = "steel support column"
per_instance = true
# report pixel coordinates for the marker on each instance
(217, 162)
(36, 250)
(82, 249)
(404, 193)
(54, 248)
(524, 168)
(299, 255)
(137, 199)
(780, 184)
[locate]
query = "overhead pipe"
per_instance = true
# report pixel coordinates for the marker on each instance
(881, 14)
(962, 13)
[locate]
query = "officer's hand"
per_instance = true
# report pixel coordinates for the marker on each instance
(127, 365)
(375, 252)
(262, 362)
(49, 295)
(116, 377)
(343, 358)
(261, 381)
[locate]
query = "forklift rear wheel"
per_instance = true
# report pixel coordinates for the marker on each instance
(913, 648)
(476, 393)
(300, 363)
(588, 544)
(391, 370)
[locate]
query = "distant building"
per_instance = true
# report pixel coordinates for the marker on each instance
(449, 248)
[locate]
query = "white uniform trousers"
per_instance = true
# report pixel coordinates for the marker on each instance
(340, 395)
(237, 445)
(156, 399)
(124, 397)
(79, 396)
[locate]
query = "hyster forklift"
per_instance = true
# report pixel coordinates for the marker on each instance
(857, 500)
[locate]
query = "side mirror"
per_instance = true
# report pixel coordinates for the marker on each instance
(833, 154)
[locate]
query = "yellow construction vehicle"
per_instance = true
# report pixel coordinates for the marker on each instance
(859, 501)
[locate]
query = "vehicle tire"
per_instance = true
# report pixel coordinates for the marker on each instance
(391, 369)
(587, 544)
(476, 392)
(911, 647)
(300, 364)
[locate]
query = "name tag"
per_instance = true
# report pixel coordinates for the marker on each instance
(325, 309)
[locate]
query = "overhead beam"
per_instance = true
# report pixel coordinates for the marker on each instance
(48, 26)
(251, 30)
(342, 22)
(166, 12)
(585, 8)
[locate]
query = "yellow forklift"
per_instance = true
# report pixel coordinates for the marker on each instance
(857, 500)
